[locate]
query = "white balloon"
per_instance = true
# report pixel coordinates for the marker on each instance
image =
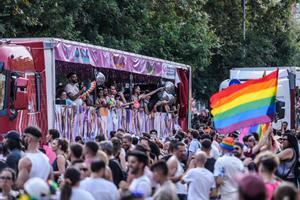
(163, 96)
(171, 99)
(100, 78)
(170, 87)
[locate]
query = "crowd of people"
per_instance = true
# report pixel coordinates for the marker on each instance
(75, 93)
(197, 164)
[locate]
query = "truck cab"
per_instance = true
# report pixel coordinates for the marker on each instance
(15, 61)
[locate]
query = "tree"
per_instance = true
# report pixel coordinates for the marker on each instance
(206, 34)
(270, 37)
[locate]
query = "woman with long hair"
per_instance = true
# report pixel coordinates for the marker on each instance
(288, 167)
(60, 147)
(70, 188)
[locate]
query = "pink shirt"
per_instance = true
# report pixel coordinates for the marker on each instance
(271, 187)
(50, 154)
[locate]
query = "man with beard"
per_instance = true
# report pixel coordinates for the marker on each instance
(127, 142)
(238, 151)
(137, 161)
(72, 88)
(97, 185)
(176, 170)
(166, 189)
(34, 163)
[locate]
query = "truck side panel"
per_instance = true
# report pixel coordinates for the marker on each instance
(35, 115)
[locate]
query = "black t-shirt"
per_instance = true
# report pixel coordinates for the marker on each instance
(117, 172)
(210, 164)
(13, 158)
(154, 149)
(2, 165)
(166, 158)
(153, 100)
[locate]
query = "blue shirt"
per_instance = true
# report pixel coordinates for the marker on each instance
(194, 146)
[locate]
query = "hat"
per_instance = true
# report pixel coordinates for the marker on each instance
(37, 188)
(227, 143)
(12, 135)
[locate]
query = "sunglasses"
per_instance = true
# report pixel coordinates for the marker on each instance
(83, 169)
(6, 178)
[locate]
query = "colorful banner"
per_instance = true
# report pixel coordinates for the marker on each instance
(88, 122)
(112, 59)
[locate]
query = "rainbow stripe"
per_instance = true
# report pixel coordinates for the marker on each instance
(261, 129)
(246, 104)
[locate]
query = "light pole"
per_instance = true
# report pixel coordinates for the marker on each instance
(244, 27)
(244, 20)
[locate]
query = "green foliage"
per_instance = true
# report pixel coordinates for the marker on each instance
(206, 34)
(271, 39)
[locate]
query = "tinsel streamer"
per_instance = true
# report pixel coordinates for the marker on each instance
(114, 118)
(85, 124)
(124, 119)
(88, 122)
(130, 121)
(119, 115)
(135, 122)
(168, 125)
(64, 122)
(157, 122)
(109, 122)
(74, 133)
(141, 121)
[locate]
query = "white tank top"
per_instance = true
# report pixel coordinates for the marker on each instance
(181, 188)
(40, 166)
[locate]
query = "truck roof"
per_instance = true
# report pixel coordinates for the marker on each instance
(258, 72)
(53, 41)
(266, 68)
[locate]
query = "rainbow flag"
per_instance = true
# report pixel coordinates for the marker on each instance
(246, 104)
(260, 129)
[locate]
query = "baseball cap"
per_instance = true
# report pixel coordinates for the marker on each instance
(12, 135)
(37, 188)
(227, 143)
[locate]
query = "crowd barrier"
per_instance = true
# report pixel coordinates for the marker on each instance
(88, 122)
